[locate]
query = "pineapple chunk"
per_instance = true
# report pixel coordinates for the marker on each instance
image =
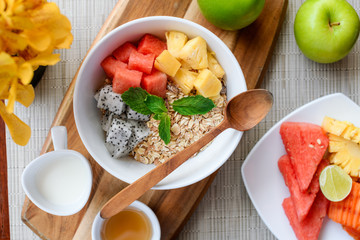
(336, 143)
(333, 126)
(167, 63)
(350, 131)
(185, 65)
(175, 42)
(207, 84)
(341, 128)
(356, 137)
(345, 154)
(195, 53)
(185, 79)
(214, 65)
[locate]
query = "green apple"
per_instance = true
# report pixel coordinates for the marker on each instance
(326, 30)
(231, 14)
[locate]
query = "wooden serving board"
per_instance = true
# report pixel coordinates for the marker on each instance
(252, 47)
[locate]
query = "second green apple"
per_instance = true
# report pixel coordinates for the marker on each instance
(326, 30)
(231, 14)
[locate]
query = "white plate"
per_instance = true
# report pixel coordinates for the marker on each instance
(263, 180)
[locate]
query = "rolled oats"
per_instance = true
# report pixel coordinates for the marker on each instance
(185, 130)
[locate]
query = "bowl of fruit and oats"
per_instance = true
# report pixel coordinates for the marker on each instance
(149, 89)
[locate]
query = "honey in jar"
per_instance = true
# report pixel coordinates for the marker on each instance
(129, 224)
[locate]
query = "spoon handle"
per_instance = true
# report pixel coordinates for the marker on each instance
(135, 190)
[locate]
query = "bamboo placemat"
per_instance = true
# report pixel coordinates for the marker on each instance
(226, 211)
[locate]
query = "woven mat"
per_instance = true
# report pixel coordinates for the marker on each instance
(226, 211)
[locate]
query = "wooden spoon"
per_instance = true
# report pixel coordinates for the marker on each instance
(242, 112)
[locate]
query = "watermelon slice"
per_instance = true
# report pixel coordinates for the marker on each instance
(305, 143)
(122, 53)
(309, 228)
(110, 65)
(302, 200)
(141, 62)
(151, 44)
(155, 83)
(125, 78)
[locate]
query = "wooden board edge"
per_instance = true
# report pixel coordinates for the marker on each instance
(67, 100)
(27, 222)
(66, 104)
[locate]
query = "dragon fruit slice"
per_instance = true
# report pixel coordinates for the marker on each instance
(106, 120)
(133, 115)
(119, 133)
(121, 152)
(111, 101)
(110, 147)
(97, 95)
(117, 152)
(121, 116)
(140, 132)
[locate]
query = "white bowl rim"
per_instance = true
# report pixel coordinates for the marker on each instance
(175, 184)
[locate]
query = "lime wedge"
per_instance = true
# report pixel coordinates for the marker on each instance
(335, 183)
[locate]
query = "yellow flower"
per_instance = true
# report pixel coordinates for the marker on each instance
(30, 30)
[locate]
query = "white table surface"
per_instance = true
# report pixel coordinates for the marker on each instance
(226, 211)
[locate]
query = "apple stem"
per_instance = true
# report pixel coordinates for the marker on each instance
(334, 24)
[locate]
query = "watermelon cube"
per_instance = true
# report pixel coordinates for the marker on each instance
(301, 200)
(309, 228)
(155, 83)
(122, 53)
(125, 78)
(110, 65)
(305, 143)
(151, 44)
(141, 62)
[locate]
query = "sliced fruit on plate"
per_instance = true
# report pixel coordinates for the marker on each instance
(347, 212)
(122, 53)
(309, 228)
(335, 183)
(110, 65)
(151, 44)
(302, 200)
(195, 53)
(305, 143)
(333, 126)
(352, 232)
(346, 154)
(343, 129)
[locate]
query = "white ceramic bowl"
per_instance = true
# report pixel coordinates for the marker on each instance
(137, 205)
(91, 78)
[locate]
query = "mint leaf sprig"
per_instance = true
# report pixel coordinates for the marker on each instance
(143, 102)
